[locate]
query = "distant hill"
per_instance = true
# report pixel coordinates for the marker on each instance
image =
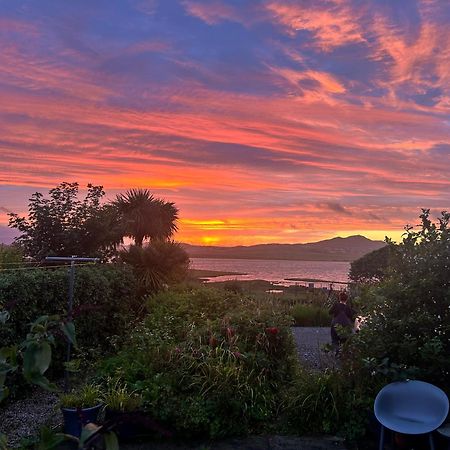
(336, 249)
(7, 235)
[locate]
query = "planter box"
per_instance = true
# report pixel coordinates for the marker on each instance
(75, 419)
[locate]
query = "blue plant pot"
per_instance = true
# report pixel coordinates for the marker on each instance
(75, 419)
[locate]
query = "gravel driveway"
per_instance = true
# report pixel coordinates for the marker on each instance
(310, 342)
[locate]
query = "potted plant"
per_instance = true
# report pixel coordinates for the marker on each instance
(122, 406)
(80, 408)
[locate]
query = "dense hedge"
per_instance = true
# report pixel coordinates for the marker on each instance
(104, 304)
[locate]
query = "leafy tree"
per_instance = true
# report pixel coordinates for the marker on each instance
(65, 225)
(145, 216)
(408, 314)
(157, 264)
(372, 267)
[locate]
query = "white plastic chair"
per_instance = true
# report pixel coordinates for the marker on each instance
(411, 407)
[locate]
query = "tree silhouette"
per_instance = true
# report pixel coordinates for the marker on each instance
(145, 216)
(62, 224)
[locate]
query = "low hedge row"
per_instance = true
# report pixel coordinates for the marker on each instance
(105, 302)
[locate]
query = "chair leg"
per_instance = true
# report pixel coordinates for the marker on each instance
(381, 446)
(430, 438)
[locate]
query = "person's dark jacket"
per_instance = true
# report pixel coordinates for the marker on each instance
(342, 315)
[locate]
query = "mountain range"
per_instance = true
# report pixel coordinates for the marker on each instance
(335, 249)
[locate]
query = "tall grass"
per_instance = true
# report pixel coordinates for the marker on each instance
(310, 316)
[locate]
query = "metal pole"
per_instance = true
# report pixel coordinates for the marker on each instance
(69, 318)
(72, 260)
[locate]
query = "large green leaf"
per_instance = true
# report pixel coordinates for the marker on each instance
(43, 382)
(68, 328)
(40, 320)
(36, 358)
(49, 439)
(111, 441)
(87, 431)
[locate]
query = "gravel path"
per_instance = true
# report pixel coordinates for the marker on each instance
(310, 342)
(24, 418)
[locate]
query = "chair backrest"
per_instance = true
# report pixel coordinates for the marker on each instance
(411, 407)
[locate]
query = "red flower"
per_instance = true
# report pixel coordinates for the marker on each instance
(272, 330)
(213, 341)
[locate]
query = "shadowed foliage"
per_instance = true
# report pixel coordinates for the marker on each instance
(157, 264)
(372, 267)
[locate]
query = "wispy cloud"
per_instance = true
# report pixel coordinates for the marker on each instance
(211, 12)
(332, 23)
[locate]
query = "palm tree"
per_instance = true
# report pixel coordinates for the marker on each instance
(145, 216)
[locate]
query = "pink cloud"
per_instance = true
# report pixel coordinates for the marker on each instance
(211, 12)
(8, 25)
(325, 87)
(26, 70)
(332, 23)
(422, 60)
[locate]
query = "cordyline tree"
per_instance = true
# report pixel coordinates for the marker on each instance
(162, 261)
(145, 216)
(64, 225)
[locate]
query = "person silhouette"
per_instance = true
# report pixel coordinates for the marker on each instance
(343, 316)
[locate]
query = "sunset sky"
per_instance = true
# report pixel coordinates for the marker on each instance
(263, 120)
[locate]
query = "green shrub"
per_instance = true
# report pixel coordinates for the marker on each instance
(407, 332)
(406, 335)
(104, 303)
(310, 316)
(208, 362)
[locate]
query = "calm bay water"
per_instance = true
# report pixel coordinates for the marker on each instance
(274, 270)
